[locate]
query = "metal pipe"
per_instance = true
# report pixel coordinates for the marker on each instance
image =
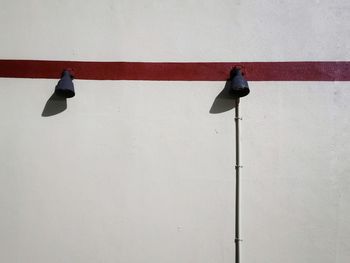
(237, 167)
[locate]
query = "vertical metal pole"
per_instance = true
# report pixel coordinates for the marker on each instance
(237, 167)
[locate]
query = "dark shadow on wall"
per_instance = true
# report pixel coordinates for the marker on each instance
(54, 105)
(224, 101)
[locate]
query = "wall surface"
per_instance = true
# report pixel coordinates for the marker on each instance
(141, 171)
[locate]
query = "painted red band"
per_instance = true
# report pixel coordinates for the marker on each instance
(185, 71)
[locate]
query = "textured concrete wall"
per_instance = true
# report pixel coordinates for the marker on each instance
(141, 171)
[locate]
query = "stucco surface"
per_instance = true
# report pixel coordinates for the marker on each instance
(142, 171)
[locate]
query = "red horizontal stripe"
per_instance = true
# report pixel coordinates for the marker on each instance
(186, 71)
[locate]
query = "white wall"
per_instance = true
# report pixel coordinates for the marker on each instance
(141, 171)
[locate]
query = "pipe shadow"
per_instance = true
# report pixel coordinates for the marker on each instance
(224, 101)
(54, 105)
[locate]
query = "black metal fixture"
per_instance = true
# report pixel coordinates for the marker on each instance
(238, 88)
(239, 85)
(65, 87)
